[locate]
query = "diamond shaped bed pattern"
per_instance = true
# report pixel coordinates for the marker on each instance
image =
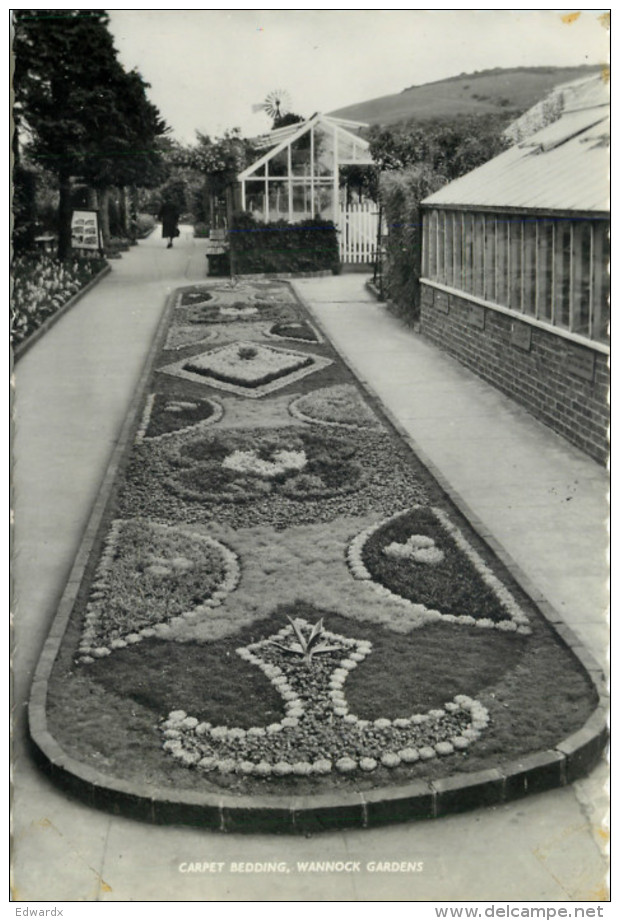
(247, 368)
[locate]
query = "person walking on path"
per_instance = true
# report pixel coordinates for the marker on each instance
(169, 217)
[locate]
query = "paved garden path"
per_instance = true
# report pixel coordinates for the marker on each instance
(72, 392)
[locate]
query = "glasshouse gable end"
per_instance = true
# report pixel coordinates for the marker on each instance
(301, 177)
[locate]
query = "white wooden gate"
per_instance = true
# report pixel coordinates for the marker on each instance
(358, 227)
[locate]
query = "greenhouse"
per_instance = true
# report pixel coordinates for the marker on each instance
(300, 176)
(515, 279)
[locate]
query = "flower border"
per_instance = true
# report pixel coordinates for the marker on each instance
(518, 621)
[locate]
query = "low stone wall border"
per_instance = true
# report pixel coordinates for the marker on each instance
(570, 759)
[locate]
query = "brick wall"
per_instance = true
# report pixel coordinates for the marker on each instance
(562, 383)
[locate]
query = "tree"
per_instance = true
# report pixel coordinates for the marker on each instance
(77, 112)
(130, 155)
(450, 148)
(220, 161)
(289, 118)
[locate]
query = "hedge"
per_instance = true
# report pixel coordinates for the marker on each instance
(309, 246)
(401, 194)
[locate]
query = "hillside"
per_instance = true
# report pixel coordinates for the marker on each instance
(506, 91)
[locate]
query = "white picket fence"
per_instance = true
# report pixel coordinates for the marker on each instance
(358, 226)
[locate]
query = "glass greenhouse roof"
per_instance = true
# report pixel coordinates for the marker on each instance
(330, 139)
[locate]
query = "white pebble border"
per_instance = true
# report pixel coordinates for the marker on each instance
(518, 622)
(97, 599)
(218, 412)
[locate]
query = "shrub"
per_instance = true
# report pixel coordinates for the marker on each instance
(143, 225)
(308, 246)
(401, 194)
(201, 229)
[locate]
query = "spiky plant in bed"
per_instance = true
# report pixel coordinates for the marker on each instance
(308, 646)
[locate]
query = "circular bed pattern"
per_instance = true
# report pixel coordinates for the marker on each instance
(241, 466)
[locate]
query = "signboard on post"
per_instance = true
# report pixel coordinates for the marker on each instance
(85, 230)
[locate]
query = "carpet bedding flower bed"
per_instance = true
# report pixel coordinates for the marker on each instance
(42, 286)
(282, 600)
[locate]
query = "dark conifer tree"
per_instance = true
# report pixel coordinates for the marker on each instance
(77, 112)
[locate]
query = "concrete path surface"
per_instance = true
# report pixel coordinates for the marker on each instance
(72, 392)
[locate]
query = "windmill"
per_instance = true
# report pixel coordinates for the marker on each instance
(277, 103)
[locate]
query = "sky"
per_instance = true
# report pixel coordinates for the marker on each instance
(208, 67)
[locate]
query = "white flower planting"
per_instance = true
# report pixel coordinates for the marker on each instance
(281, 462)
(418, 547)
(42, 286)
(146, 418)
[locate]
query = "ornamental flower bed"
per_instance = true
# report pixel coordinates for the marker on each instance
(42, 285)
(281, 598)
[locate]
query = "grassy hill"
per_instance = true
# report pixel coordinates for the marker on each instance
(498, 91)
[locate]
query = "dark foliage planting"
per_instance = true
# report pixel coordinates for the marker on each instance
(169, 415)
(299, 331)
(309, 246)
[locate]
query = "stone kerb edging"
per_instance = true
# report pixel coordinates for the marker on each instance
(572, 758)
(374, 290)
(23, 347)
